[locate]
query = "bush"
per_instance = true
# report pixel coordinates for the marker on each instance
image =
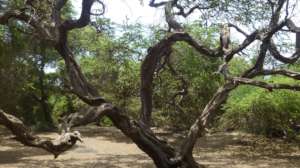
(262, 112)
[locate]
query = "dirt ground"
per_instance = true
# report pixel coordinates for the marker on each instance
(108, 148)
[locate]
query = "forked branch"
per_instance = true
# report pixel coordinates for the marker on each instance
(23, 134)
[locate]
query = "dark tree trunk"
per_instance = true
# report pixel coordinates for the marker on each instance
(44, 97)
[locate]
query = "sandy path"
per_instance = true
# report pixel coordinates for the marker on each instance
(102, 147)
(108, 148)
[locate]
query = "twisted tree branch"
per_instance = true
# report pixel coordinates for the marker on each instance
(23, 134)
(276, 54)
(269, 86)
(284, 72)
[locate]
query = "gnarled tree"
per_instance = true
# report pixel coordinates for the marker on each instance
(46, 22)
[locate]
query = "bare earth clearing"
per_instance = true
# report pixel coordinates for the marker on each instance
(108, 148)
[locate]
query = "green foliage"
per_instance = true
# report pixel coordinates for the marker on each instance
(198, 71)
(262, 112)
(105, 121)
(24, 81)
(237, 66)
(12, 71)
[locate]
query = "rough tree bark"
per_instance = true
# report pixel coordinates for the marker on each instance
(26, 137)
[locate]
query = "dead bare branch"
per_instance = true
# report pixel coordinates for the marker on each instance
(23, 134)
(238, 29)
(154, 4)
(262, 84)
(283, 72)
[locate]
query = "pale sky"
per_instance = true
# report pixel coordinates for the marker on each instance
(119, 10)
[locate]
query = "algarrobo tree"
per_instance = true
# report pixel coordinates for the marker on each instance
(44, 17)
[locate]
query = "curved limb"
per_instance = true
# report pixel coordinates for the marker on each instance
(23, 134)
(276, 54)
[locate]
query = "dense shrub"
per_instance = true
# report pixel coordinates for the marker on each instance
(259, 111)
